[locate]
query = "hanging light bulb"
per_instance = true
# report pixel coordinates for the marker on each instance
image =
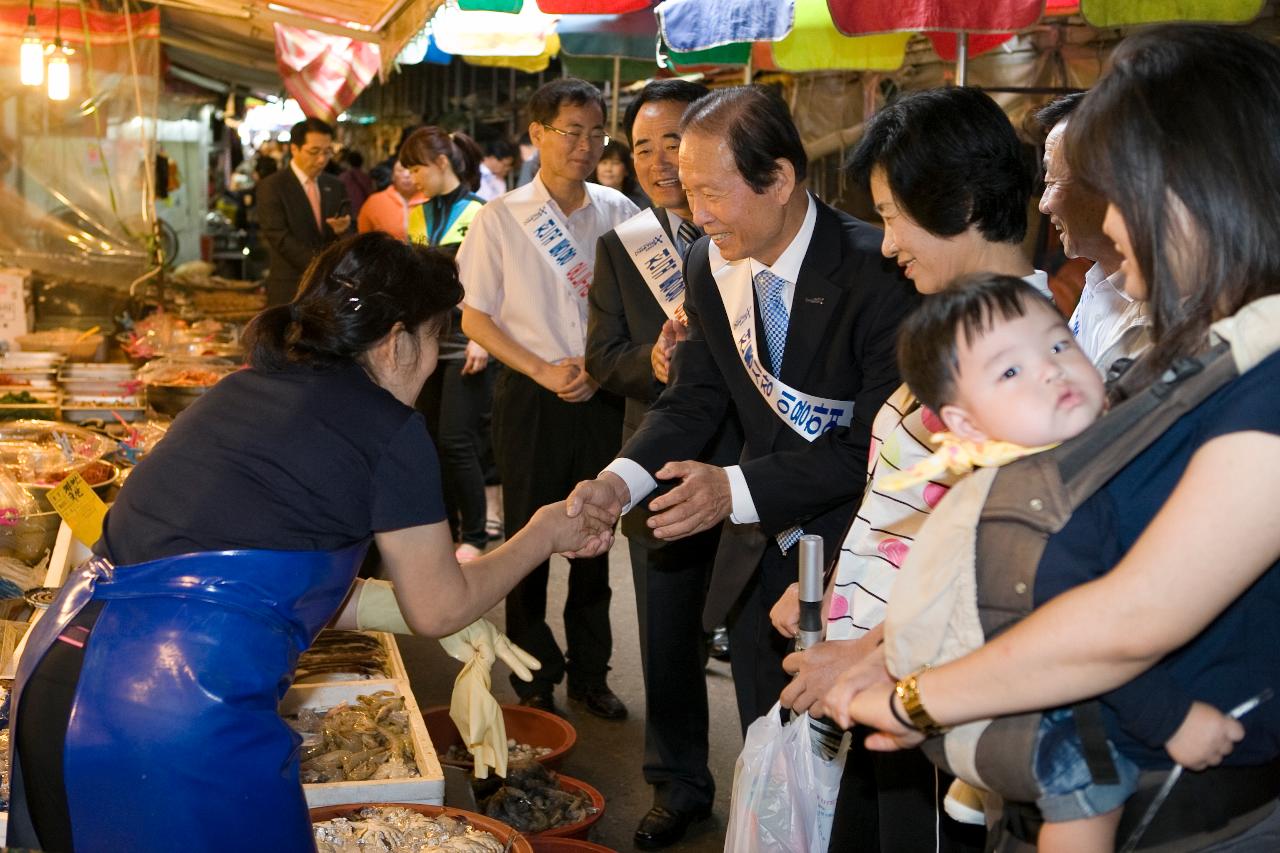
(59, 74)
(31, 55)
(59, 70)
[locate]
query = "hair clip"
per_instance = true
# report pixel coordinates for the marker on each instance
(349, 285)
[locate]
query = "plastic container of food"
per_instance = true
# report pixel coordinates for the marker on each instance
(516, 842)
(69, 342)
(524, 725)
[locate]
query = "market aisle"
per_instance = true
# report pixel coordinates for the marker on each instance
(608, 755)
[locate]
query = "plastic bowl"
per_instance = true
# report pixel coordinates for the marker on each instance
(518, 843)
(64, 341)
(172, 400)
(582, 827)
(524, 725)
(545, 844)
(31, 537)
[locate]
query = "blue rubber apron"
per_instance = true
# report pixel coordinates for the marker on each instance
(174, 741)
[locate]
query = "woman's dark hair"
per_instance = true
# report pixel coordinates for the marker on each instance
(426, 144)
(680, 91)
(952, 159)
(618, 150)
(758, 127)
(351, 297)
(550, 97)
(929, 337)
(1182, 135)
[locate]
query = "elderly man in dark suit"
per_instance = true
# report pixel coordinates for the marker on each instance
(793, 314)
(635, 316)
(300, 208)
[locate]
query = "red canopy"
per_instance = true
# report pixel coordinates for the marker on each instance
(592, 7)
(864, 17)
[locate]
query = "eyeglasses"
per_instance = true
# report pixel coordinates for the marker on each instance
(575, 137)
(318, 152)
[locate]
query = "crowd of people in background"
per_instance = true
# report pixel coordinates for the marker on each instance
(680, 333)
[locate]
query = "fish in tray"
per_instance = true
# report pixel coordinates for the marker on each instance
(387, 829)
(344, 652)
(530, 800)
(352, 742)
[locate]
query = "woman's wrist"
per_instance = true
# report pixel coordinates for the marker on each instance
(907, 691)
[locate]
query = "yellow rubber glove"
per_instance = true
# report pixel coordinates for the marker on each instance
(473, 709)
(481, 636)
(377, 610)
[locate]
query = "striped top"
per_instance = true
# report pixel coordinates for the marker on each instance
(887, 522)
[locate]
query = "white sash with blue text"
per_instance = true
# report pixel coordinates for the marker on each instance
(550, 236)
(807, 415)
(656, 259)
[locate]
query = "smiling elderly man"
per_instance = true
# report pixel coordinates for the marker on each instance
(1107, 322)
(792, 315)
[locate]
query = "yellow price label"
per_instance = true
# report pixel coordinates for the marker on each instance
(80, 507)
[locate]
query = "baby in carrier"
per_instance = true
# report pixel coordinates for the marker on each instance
(1000, 368)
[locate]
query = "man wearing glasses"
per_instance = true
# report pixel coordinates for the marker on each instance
(526, 264)
(300, 208)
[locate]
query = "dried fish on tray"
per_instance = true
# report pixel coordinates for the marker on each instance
(353, 654)
(367, 739)
(387, 829)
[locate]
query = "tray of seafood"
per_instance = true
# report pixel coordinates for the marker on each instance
(363, 742)
(339, 655)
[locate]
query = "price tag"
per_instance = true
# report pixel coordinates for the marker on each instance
(80, 508)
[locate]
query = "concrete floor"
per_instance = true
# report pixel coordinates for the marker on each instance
(608, 755)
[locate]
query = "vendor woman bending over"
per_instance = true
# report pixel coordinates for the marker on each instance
(146, 698)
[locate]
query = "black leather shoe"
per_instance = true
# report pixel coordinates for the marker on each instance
(600, 701)
(662, 827)
(542, 702)
(718, 644)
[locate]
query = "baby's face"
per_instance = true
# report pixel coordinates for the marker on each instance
(1024, 381)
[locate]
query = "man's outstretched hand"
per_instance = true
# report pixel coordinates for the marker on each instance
(701, 501)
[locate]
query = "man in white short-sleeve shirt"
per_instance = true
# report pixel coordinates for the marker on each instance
(526, 264)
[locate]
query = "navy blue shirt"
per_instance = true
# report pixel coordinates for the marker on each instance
(293, 460)
(1239, 653)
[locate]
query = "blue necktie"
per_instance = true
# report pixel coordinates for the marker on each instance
(773, 313)
(686, 235)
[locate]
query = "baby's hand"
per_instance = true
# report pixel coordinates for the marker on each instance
(1205, 737)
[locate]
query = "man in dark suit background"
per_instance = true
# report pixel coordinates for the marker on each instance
(630, 335)
(300, 208)
(822, 296)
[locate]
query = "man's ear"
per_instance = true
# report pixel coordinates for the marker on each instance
(536, 130)
(961, 424)
(784, 181)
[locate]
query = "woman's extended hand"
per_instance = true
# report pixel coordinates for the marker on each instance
(870, 706)
(587, 534)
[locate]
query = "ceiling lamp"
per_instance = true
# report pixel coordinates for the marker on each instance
(31, 58)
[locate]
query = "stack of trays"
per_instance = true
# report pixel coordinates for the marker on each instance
(29, 385)
(101, 392)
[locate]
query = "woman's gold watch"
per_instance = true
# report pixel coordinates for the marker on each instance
(908, 690)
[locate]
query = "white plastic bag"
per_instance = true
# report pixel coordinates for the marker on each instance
(784, 793)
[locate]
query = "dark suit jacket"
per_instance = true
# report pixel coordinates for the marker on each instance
(623, 323)
(289, 228)
(849, 301)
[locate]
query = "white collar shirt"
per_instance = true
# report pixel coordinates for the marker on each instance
(1104, 314)
(491, 186)
(302, 176)
(787, 266)
(508, 278)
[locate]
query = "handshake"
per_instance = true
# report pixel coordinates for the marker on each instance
(702, 500)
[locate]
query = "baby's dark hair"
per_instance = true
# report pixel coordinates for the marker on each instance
(929, 338)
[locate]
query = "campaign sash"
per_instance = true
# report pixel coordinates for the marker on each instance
(550, 236)
(656, 259)
(807, 415)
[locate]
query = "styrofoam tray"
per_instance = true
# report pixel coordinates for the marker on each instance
(426, 788)
(395, 665)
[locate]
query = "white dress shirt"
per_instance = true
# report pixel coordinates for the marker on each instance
(1109, 323)
(786, 267)
(509, 279)
(491, 186)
